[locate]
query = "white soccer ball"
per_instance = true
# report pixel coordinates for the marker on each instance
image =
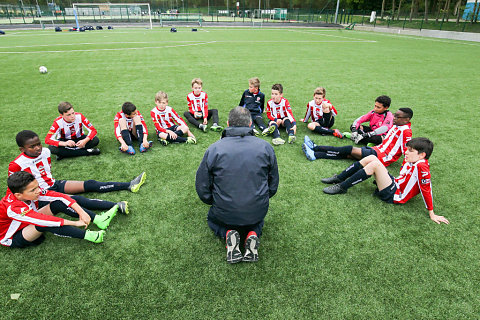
(43, 69)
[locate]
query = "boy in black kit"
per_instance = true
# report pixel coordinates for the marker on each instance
(254, 101)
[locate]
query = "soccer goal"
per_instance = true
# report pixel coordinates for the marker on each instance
(111, 12)
(180, 18)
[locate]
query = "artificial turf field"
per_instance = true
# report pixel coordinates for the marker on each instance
(346, 256)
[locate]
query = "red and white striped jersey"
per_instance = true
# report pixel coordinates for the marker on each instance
(394, 144)
(316, 111)
(165, 119)
(198, 103)
(61, 129)
(279, 110)
(39, 167)
(414, 178)
(121, 115)
(16, 215)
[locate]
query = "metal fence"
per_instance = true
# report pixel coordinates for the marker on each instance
(41, 15)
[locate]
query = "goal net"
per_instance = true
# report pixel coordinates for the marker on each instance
(171, 19)
(111, 12)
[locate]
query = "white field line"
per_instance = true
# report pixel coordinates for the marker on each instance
(112, 49)
(94, 43)
(420, 38)
(298, 41)
(187, 43)
(330, 35)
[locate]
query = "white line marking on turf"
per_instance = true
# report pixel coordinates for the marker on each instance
(92, 43)
(452, 41)
(329, 35)
(297, 41)
(111, 49)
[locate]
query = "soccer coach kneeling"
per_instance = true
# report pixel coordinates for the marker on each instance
(237, 177)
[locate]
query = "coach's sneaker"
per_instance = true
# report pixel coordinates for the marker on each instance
(163, 142)
(268, 131)
(347, 135)
(251, 248)
(232, 240)
(335, 189)
(123, 207)
(136, 183)
(143, 149)
(337, 133)
(215, 127)
(308, 152)
(332, 180)
(278, 141)
(103, 220)
(291, 139)
(203, 127)
(256, 133)
(130, 150)
(93, 151)
(308, 142)
(94, 236)
(191, 140)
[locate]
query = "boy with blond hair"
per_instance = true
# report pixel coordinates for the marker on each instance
(254, 101)
(280, 113)
(66, 137)
(129, 125)
(198, 108)
(323, 114)
(169, 126)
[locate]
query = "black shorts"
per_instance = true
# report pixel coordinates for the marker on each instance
(58, 186)
(387, 193)
(18, 241)
(367, 151)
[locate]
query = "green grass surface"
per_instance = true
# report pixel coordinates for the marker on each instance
(347, 256)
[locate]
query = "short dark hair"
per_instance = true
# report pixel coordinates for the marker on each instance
(19, 180)
(421, 145)
(23, 136)
(385, 100)
(239, 117)
(64, 106)
(407, 111)
(128, 108)
(278, 87)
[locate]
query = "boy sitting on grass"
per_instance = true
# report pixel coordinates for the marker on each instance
(66, 137)
(280, 113)
(380, 121)
(414, 177)
(389, 151)
(124, 123)
(254, 100)
(323, 114)
(169, 126)
(36, 160)
(198, 108)
(22, 222)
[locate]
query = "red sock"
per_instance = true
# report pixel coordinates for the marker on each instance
(251, 233)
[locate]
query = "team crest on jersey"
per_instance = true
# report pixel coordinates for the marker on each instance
(24, 211)
(258, 98)
(425, 181)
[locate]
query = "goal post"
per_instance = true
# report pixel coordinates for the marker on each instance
(112, 11)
